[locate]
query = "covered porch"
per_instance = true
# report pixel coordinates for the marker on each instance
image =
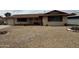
(28, 21)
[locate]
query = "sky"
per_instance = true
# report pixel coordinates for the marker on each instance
(13, 12)
(38, 4)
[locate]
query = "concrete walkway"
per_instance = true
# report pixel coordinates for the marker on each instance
(4, 26)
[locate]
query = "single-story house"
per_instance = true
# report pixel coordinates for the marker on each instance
(54, 17)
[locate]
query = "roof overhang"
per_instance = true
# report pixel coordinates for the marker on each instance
(51, 13)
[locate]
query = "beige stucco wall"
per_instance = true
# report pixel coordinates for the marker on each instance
(65, 19)
(45, 21)
(10, 21)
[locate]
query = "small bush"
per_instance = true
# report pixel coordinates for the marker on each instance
(65, 24)
(3, 32)
(46, 24)
(75, 28)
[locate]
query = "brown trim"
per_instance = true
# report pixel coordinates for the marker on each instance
(56, 11)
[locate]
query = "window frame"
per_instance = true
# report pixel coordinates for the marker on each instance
(55, 18)
(21, 19)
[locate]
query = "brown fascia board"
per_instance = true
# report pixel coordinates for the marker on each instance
(61, 13)
(56, 11)
(56, 15)
(27, 15)
(8, 17)
(39, 15)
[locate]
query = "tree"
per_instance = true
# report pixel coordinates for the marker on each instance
(7, 14)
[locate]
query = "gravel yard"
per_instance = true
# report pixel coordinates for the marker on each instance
(39, 37)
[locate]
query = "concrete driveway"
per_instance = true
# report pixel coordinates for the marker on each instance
(4, 26)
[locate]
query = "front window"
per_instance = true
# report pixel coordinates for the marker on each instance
(55, 18)
(22, 20)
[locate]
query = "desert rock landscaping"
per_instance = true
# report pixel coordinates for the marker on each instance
(39, 37)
